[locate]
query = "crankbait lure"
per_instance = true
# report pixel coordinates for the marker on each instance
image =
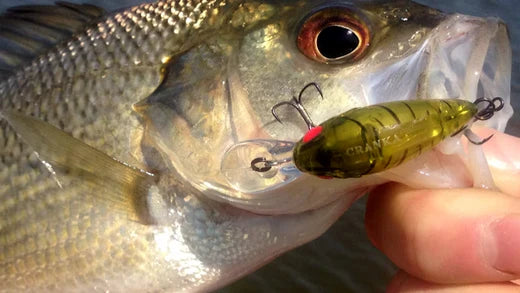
(375, 138)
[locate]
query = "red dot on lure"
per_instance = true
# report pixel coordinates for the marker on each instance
(312, 133)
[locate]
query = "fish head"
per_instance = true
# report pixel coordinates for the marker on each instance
(212, 117)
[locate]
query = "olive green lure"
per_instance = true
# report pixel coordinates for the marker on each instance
(375, 138)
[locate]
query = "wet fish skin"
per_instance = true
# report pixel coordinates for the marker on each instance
(54, 236)
(142, 96)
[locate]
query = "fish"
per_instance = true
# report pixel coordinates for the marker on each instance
(114, 128)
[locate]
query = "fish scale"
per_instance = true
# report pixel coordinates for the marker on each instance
(84, 87)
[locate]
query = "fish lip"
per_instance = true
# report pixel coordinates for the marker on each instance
(469, 58)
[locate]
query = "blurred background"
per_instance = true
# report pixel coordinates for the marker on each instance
(343, 260)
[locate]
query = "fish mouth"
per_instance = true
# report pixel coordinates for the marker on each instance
(469, 58)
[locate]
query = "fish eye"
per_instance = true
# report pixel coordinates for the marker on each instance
(333, 35)
(335, 42)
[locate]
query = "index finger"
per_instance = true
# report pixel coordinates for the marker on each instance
(454, 235)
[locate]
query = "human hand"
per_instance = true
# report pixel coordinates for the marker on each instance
(458, 240)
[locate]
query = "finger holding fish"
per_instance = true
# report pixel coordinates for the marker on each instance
(452, 236)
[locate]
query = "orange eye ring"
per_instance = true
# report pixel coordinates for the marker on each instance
(333, 35)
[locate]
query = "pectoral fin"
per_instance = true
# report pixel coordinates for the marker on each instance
(122, 187)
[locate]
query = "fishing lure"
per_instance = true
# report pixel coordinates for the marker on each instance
(375, 138)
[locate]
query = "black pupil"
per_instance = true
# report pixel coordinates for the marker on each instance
(336, 41)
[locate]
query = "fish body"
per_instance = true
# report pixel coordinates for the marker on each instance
(375, 138)
(112, 134)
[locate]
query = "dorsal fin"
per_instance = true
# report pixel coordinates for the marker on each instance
(30, 30)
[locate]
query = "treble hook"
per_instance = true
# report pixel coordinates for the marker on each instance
(484, 114)
(297, 104)
(262, 164)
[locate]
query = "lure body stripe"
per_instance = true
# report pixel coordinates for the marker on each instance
(376, 138)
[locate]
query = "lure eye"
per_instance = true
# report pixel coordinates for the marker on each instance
(333, 35)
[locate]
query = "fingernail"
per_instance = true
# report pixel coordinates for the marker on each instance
(503, 250)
